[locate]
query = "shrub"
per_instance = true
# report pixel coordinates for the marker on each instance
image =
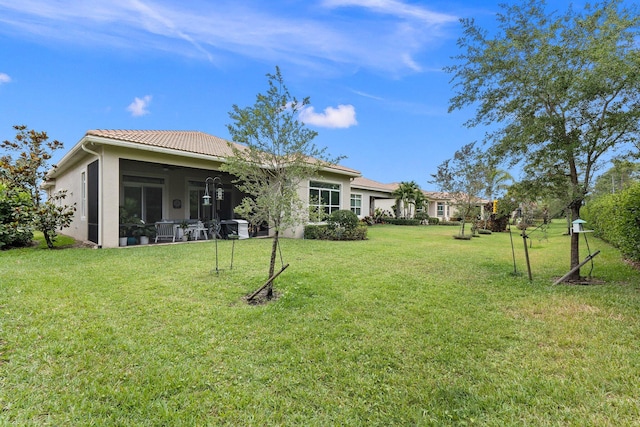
(315, 232)
(402, 221)
(616, 219)
(324, 232)
(434, 221)
(342, 219)
(368, 220)
(423, 217)
(14, 217)
(450, 223)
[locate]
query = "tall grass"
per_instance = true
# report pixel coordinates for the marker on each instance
(410, 327)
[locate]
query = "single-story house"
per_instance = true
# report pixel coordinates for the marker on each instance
(162, 175)
(372, 195)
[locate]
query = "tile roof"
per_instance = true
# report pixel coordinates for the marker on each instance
(369, 184)
(185, 141)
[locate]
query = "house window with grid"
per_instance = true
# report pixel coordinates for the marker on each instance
(324, 196)
(356, 204)
(440, 209)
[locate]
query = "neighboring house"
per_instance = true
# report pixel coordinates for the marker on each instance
(440, 205)
(368, 195)
(162, 174)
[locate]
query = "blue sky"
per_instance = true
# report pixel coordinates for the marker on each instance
(372, 69)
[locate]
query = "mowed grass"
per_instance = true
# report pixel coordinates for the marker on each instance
(410, 327)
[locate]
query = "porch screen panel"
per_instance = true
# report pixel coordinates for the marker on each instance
(143, 197)
(153, 204)
(133, 200)
(92, 201)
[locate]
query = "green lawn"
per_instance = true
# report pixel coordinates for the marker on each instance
(410, 327)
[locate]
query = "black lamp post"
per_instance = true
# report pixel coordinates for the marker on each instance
(218, 194)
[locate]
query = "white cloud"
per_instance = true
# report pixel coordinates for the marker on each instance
(4, 78)
(396, 8)
(139, 106)
(385, 38)
(343, 116)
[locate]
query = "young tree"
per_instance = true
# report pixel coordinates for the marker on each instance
(27, 172)
(278, 155)
(463, 177)
(565, 89)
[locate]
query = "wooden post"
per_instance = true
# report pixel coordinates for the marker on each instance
(526, 254)
(577, 267)
(271, 279)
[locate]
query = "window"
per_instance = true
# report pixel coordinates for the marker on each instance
(324, 196)
(440, 209)
(83, 194)
(356, 204)
(143, 197)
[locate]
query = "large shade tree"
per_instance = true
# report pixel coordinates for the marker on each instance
(277, 155)
(560, 90)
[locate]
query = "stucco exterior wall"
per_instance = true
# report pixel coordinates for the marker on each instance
(72, 182)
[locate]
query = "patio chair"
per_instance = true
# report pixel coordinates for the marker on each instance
(166, 231)
(198, 229)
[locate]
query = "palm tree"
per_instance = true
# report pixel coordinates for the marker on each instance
(406, 194)
(498, 181)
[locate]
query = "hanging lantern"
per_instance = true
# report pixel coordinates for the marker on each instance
(219, 193)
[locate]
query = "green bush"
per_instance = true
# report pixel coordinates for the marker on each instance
(315, 232)
(402, 221)
(324, 232)
(434, 221)
(15, 219)
(342, 219)
(421, 216)
(616, 219)
(450, 223)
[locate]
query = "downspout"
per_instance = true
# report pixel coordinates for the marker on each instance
(100, 197)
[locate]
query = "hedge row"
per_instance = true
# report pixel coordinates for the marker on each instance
(616, 219)
(324, 232)
(402, 221)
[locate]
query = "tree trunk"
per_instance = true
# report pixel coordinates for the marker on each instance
(47, 238)
(575, 242)
(272, 264)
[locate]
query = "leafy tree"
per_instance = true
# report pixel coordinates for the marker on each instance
(27, 172)
(621, 176)
(463, 177)
(563, 90)
(277, 156)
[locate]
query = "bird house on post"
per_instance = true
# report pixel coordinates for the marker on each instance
(578, 226)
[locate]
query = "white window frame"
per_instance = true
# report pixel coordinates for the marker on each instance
(330, 188)
(356, 208)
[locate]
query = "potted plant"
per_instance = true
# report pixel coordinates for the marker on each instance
(185, 234)
(146, 233)
(123, 236)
